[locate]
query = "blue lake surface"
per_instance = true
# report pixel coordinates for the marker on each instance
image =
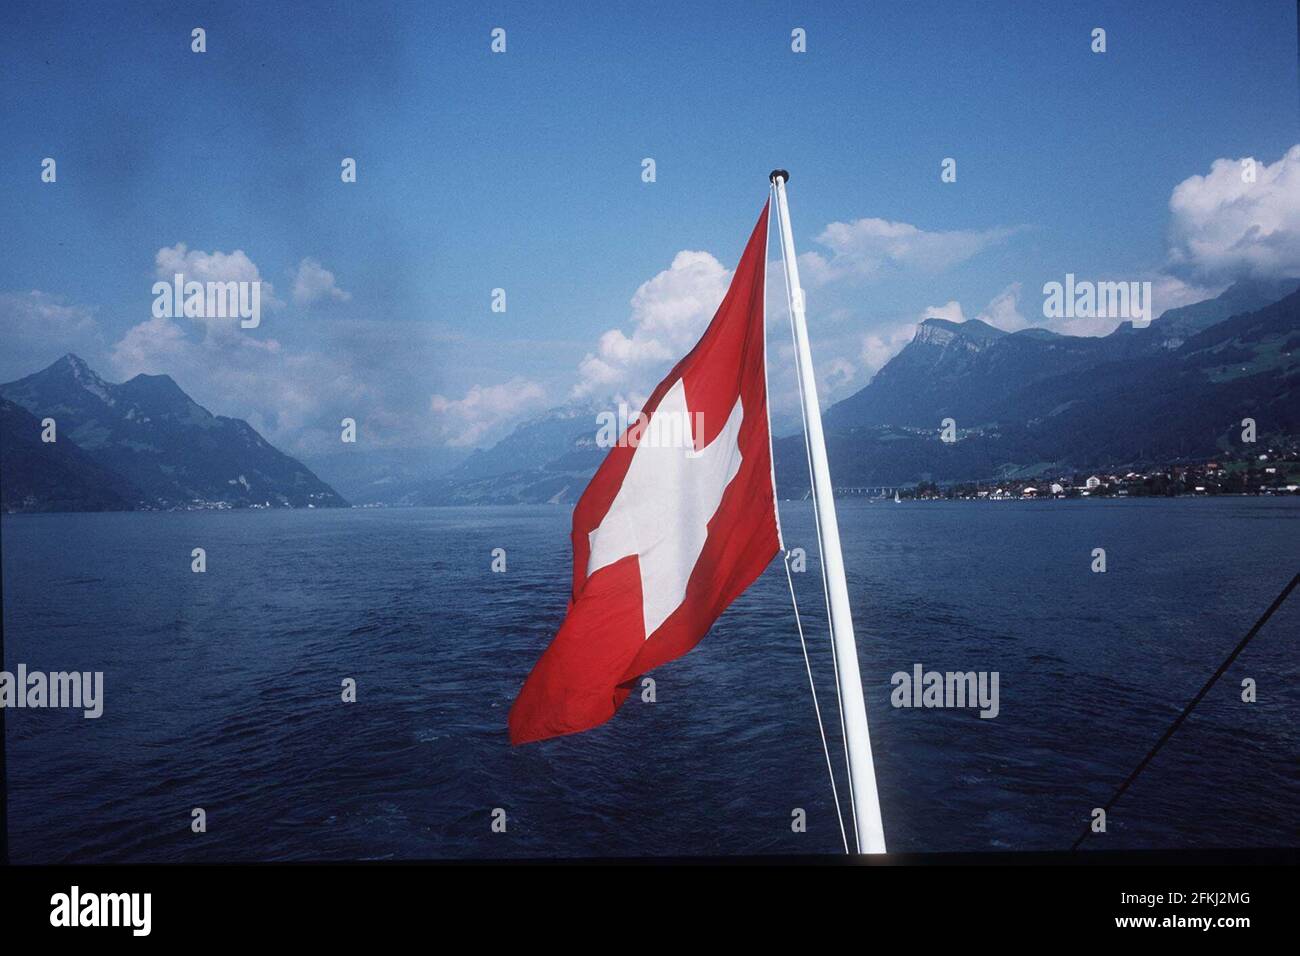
(223, 689)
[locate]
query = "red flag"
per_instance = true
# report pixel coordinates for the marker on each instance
(678, 520)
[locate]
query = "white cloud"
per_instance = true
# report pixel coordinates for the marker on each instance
(671, 310)
(1224, 228)
(1004, 311)
(846, 361)
(669, 314)
(951, 311)
(37, 328)
(834, 374)
(882, 344)
(297, 396)
(294, 398)
(1167, 292)
(199, 266)
(1170, 292)
(149, 347)
(867, 248)
(483, 409)
(879, 346)
(45, 315)
(314, 282)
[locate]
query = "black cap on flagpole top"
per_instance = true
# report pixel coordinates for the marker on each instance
(772, 176)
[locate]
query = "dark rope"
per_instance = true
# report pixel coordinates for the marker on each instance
(1277, 603)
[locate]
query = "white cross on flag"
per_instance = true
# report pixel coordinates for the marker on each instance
(678, 520)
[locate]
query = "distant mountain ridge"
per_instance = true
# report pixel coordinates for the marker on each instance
(977, 374)
(1033, 399)
(150, 445)
(1175, 326)
(1022, 401)
(548, 459)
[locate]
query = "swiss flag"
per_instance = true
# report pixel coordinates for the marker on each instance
(678, 520)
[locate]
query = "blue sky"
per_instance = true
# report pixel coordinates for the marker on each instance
(522, 170)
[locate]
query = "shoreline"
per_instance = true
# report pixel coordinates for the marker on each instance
(939, 499)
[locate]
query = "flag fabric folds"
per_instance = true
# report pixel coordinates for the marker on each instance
(678, 520)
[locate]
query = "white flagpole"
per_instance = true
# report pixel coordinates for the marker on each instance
(862, 773)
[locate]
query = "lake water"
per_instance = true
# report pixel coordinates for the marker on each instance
(223, 689)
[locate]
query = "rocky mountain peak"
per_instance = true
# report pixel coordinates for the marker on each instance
(973, 334)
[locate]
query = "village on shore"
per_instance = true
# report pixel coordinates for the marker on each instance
(1274, 471)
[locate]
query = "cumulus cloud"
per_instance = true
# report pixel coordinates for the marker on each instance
(294, 398)
(1223, 227)
(149, 347)
(297, 395)
(314, 282)
(868, 248)
(199, 266)
(483, 409)
(671, 310)
(285, 395)
(669, 314)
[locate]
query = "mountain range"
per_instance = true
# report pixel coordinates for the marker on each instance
(1033, 400)
(1022, 402)
(561, 447)
(141, 444)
